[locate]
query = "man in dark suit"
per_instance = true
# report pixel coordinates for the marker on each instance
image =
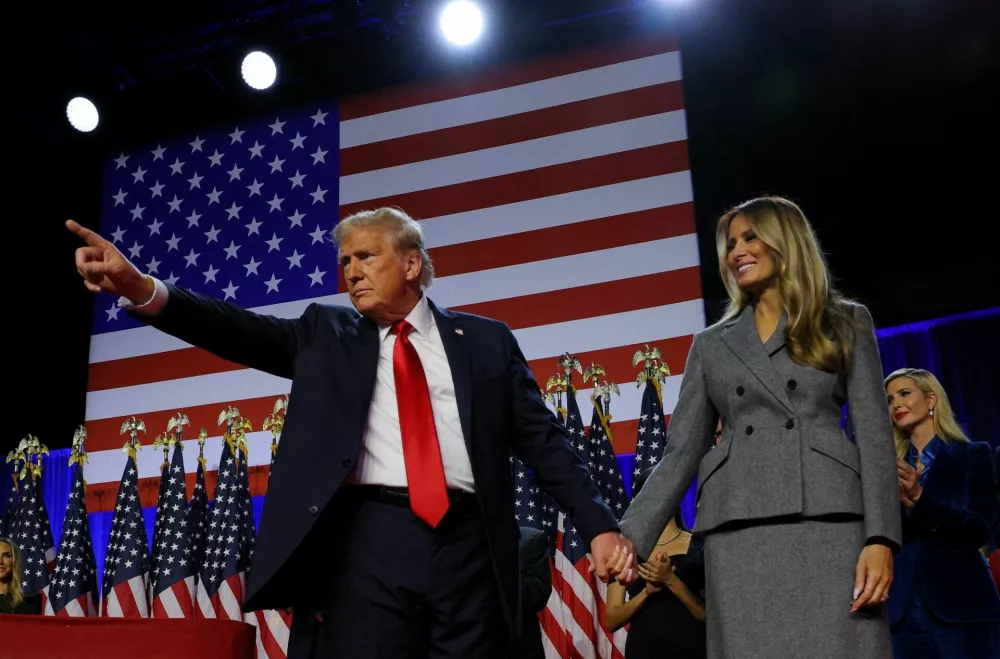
(536, 586)
(391, 506)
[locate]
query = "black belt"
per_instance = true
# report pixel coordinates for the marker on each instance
(459, 500)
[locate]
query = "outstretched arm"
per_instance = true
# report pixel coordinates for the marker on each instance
(262, 342)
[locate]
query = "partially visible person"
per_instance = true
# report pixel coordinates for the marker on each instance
(995, 555)
(665, 610)
(943, 603)
(11, 579)
(536, 586)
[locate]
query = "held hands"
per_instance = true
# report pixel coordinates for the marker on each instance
(872, 577)
(611, 557)
(909, 482)
(104, 268)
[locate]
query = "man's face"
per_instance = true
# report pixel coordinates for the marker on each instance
(379, 279)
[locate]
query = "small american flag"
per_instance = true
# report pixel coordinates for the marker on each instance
(603, 465)
(126, 567)
(33, 535)
(197, 519)
(652, 430)
(173, 571)
(73, 592)
(573, 621)
(223, 573)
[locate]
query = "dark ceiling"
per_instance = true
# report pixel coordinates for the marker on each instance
(875, 115)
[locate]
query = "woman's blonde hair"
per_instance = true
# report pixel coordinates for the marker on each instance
(15, 589)
(820, 322)
(945, 425)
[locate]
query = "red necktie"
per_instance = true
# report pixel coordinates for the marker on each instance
(421, 453)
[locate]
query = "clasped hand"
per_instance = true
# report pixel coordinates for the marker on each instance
(612, 557)
(909, 482)
(658, 572)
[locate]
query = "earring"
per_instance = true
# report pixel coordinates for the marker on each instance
(932, 412)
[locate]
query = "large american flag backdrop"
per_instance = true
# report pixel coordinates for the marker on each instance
(555, 196)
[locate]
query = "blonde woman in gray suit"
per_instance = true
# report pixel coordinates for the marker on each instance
(801, 522)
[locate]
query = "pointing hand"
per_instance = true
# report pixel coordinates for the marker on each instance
(104, 268)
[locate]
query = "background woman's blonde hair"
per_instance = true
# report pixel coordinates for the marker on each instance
(15, 589)
(406, 234)
(820, 323)
(945, 425)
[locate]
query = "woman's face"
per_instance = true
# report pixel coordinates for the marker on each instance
(6, 562)
(752, 263)
(908, 406)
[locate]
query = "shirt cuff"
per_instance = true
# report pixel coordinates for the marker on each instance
(154, 305)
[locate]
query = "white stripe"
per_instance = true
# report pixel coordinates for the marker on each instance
(205, 603)
(138, 586)
(586, 595)
(584, 335)
(469, 288)
(112, 607)
(168, 600)
(569, 88)
(559, 210)
(517, 157)
(279, 628)
(231, 600)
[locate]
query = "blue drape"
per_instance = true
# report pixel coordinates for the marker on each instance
(963, 351)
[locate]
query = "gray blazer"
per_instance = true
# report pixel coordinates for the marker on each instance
(783, 451)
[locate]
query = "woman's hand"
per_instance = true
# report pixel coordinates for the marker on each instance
(658, 570)
(909, 482)
(872, 577)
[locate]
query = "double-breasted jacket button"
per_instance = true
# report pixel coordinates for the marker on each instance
(739, 390)
(749, 430)
(313, 510)
(792, 384)
(790, 424)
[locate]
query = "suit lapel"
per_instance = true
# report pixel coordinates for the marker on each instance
(361, 340)
(457, 348)
(742, 338)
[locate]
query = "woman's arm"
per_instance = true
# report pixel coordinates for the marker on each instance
(873, 436)
(618, 611)
(689, 438)
(693, 603)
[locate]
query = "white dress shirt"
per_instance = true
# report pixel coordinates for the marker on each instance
(381, 459)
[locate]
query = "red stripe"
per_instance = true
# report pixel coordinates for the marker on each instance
(632, 104)
(526, 247)
(578, 610)
(564, 64)
(102, 496)
(536, 183)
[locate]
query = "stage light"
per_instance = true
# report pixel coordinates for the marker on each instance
(461, 22)
(82, 114)
(259, 71)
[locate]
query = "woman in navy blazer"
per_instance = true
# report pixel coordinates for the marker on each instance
(943, 603)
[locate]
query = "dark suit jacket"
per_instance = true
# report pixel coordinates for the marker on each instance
(783, 451)
(536, 586)
(942, 537)
(330, 353)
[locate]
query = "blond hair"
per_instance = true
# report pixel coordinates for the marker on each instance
(405, 233)
(945, 425)
(820, 322)
(15, 589)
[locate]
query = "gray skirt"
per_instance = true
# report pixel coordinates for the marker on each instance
(784, 590)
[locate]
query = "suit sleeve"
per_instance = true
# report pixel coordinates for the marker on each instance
(689, 437)
(873, 435)
(257, 341)
(968, 526)
(536, 574)
(541, 443)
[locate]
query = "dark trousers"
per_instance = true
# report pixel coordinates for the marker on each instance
(399, 589)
